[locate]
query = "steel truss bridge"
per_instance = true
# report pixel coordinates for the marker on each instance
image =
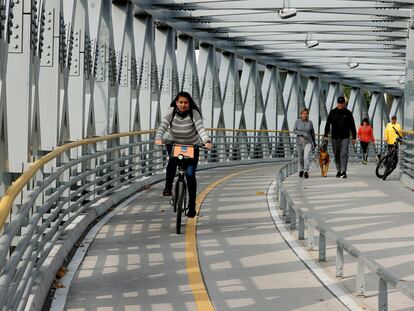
(84, 83)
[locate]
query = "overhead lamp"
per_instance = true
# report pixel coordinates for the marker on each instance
(351, 64)
(285, 12)
(309, 42)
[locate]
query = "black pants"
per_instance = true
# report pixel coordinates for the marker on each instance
(341, 149)
(364, 146)
(190, 166)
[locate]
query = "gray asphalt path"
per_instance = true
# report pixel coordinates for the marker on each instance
(137, 262)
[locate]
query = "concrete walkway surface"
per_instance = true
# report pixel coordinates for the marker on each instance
(137, 262)
(376, 216)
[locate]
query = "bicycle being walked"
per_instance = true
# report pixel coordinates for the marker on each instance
(183, 125)
(388, 163)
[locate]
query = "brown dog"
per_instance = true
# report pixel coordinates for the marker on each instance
(324, 160)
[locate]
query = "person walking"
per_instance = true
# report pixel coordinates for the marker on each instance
(365, 136)
(389, 133)
(183, 124)
(343, 126)
(305, 140)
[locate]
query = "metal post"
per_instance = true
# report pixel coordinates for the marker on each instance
(283, 206)
(310, 239)
(382, 295)
(322, 246)
(360, 280)
(286, 211)
(279, 194)
(301, 228)
(292, 216)
(339, 262)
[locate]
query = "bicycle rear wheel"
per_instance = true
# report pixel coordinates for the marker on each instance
(382, 166)
(179, 204)
(392, 164)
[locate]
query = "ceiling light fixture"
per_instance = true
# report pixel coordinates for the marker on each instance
(285, 12)
(309, 42)
(401, 80)
(351, 64)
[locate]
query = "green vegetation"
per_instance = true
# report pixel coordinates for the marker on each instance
(367, 95)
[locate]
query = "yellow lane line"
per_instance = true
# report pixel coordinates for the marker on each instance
(201, 297)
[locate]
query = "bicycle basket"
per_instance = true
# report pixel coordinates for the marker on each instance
(187, 151)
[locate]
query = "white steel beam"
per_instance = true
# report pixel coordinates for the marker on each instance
(408, 121)
(230, 88)
(19, 83)
(147, 111)
(293, 97)
(397, 109)
(378, 114)
(271, 94)
(314, 101)
(167, 66)
(333, 92)
(122, 17)
(187, 67)
(210, 86)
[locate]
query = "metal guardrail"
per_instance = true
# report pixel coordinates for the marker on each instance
(407, 155)
(74, 184)
(71, 186)
(295, 215)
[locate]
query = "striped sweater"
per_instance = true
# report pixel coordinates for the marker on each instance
(182, 130)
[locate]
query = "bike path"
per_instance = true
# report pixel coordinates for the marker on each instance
(137, 262)
(375, 216)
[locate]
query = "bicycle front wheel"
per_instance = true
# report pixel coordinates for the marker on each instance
(382, 166)
(179, 204)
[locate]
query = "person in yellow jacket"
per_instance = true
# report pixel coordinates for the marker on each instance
(389, 133)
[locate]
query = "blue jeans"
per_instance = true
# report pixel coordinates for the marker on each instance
(190, 166)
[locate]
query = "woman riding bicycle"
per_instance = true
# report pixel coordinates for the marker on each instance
(183, 124)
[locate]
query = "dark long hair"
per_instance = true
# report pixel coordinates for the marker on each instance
(193, 105)
(365, 120)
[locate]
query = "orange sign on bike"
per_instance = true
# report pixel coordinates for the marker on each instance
(186, 150)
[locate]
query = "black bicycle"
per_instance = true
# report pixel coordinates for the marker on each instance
(389, 162)
(179, 199)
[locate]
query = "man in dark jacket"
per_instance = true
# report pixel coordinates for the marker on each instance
(343, 126)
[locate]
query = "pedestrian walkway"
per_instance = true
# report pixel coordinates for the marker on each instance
(137, 262)
(375, 216)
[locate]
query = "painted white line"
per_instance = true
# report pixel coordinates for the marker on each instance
(61, 294)
(299, 250)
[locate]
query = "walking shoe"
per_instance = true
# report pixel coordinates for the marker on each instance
(343, 175)
(191, 212)
(338, 174)
(306, 175)
(301, 174)
(166, 192)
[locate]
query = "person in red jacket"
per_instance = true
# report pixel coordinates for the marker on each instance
(365, 136)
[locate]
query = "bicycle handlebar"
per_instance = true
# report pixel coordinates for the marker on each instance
(203, 146)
